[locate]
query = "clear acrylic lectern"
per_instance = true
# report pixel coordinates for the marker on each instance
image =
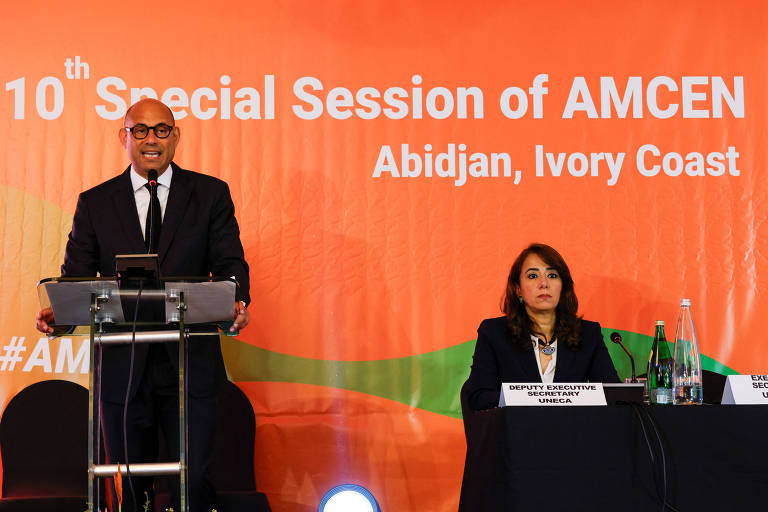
(168, 306)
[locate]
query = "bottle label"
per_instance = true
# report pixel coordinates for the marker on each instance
(662, 396)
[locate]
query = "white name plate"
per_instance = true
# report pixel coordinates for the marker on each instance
(574, 393)
(746, 390)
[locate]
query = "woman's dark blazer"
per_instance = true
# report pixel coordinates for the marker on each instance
(496, 360)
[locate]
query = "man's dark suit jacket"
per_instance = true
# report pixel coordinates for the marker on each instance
(496, 360)
(199, 236)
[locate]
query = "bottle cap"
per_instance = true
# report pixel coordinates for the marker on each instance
(685, 302)
(659, 322)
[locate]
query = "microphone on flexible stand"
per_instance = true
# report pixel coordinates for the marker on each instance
(616, 338)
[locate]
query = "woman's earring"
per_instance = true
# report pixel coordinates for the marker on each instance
(520, 298)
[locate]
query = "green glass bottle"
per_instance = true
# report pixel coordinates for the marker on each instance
(660, 363)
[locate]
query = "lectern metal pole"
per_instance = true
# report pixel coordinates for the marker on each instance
(91, 380)
(183, 441)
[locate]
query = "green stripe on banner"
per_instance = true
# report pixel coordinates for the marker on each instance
(430, 381)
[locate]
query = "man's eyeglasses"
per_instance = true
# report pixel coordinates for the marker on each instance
(140, 131)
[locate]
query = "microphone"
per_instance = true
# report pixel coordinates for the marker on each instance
(151, 214)
(616, 338)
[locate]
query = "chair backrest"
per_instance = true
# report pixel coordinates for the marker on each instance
(466, 410)
(712, 384)
(234, 442)
(44, 439)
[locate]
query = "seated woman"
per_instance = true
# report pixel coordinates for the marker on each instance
(540, 338)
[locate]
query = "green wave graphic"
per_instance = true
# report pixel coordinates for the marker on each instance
(429, 381)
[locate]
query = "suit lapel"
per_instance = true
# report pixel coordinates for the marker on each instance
(564, 361)
(125, 204)
(178, 198)
(529, 367)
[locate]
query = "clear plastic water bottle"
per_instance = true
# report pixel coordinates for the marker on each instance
(686, 377)
(659, 376)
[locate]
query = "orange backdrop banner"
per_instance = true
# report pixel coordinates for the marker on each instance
(388, 160)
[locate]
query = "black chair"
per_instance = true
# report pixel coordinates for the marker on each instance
(466, 412)
(466, 416)
(232, 472)
(713, 385)
(44, 438)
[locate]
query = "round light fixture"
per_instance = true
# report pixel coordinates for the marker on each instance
(348, 498)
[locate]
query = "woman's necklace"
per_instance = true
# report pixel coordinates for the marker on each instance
(546, 348)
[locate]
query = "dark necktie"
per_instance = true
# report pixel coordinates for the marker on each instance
(154, 221)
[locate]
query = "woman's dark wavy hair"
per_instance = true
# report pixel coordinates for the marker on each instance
(567, 324)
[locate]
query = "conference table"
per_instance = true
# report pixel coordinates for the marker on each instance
(616, 458)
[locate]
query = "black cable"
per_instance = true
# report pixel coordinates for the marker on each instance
(663, 460)
(661, 496)
(635, 408)
(127, 394)
(656, 476)
(651, 452)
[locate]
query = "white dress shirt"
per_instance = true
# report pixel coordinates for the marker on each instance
(141, 194)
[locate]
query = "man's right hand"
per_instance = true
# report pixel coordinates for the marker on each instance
(44, 318)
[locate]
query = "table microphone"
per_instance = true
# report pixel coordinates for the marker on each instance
(616, 338)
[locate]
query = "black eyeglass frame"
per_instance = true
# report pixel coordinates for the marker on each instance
(133, 128)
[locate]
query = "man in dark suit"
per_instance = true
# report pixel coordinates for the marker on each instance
(199, 236)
